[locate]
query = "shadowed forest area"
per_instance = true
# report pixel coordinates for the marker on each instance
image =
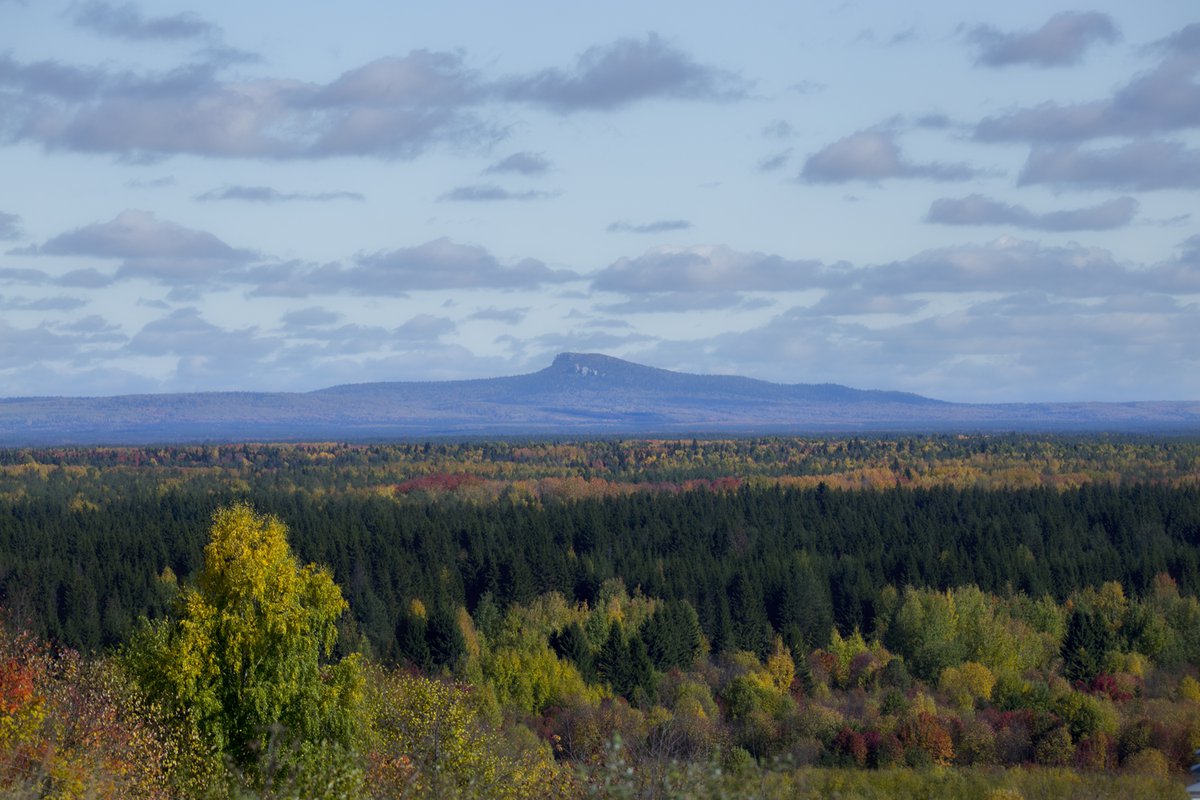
(947, 616)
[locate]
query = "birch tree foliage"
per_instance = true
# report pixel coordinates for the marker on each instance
(248, 657)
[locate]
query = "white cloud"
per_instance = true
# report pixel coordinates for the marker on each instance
(148, 248)
(1142, 165)
(874, 156)
(1060, 42)
(976, 209)
(711, 269)
(395, 107)
(626, 71)
(1165, 99)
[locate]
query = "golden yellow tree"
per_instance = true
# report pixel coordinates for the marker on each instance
(249, 656)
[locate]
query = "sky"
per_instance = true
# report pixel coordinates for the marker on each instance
(974, 202)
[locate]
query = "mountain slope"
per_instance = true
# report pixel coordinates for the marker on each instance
(577, 393)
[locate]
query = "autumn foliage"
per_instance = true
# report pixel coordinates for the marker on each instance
(767, 617)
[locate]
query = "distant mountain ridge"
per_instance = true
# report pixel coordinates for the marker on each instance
(579, 394)
(592, 372)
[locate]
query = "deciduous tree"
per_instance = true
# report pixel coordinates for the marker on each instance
(247, 657)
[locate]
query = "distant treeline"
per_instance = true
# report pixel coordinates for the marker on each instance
(480, 468)
(752, 561)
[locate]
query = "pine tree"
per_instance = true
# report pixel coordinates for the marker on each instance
(1085, 646)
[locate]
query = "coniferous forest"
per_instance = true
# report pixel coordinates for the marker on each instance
(947, 616)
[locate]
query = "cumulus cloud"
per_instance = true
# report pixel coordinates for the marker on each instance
(1139, 165)
(43, 344)
(138, 234)
(265, 194)
(1191, 249)
(44, 80)
(442, 264)
(1185, 41)
(47, 378)
(422, 79)
(490, 193)
(658, 226)
(987, 353)
(87, 278)
(1005, 265)
(540, 349)
(340, 341)
(210, 356)
(319, 342)
(509, 316)
(680, 302)
(873, 156)
(435, 265)
(668, 279)
(125, 21)
(933, 121)
(399, 107)
(184, 332)
(10, 226)
(522, 164)
(150, 248)
(1060, 42)
(775, 162)
(977, 209)
(624, 72)
(710, 269)
(139, 122)
(390, 108)
(856, 302)
(59, 303)
(677, 279)
(311, 317)
(93, 323)
(425, 328)
(22, 275)
(1167, 98)
(1180, 275)
(323, 342)
(151, 183)
(395, 107)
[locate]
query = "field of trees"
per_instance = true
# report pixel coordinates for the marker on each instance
(947, 616)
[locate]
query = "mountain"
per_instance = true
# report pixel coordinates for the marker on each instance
(578, 394)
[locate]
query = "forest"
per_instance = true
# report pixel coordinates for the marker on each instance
(1005, 616)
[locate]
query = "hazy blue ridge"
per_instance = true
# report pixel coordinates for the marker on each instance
(578, 394)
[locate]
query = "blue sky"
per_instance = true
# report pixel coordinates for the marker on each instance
(974, 202)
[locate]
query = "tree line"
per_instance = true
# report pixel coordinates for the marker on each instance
(752, 562)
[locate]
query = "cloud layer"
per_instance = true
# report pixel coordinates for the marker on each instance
(489, 193)
(150, 248)
(395, 107)
(1061, 42)
(265, 194)
(10, 226)
(521, 164)
(976, 209)
(657, 226)
(1164, 99)
(1143, 165)
(125, 21)
(874, 156)
(624, 72)
(793, 197)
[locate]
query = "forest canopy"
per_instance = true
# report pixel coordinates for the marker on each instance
(505, 614)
